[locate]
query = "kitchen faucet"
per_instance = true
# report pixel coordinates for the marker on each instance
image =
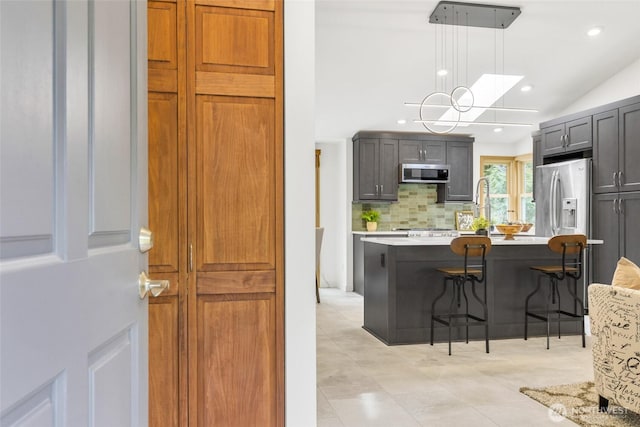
(487, 205)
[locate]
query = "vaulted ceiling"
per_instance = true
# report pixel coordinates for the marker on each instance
(372, 56)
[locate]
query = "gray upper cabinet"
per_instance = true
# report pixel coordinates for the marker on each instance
(388, 177)
(460, 160)
(377, 155)
(616, 150)
(629, 148)
(412, 151)
(375, 169)
(605, 152)
(571, 136)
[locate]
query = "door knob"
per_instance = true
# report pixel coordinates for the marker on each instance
(154, 287)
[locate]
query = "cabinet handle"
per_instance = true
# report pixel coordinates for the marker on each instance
(381, 189)
(615, 174)
(377, 191)
(620, 207)
(420, 156)
(615, 211)
(619, 178)
(190, 257)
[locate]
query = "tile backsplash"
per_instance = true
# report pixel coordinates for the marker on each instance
(416, 208)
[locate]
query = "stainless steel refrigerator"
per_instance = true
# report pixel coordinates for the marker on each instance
(563, 205)
(563, 198)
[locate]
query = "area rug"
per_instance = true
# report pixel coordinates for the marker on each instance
(579, 403)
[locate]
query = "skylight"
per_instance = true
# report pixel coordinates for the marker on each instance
(488, 89)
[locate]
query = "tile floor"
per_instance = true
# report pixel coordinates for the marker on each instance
(362, 382)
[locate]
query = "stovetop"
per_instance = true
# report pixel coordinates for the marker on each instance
(429, 232)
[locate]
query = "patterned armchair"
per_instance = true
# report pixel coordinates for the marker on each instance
(614, 313)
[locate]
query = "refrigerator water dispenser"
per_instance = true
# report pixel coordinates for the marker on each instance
(569, 217)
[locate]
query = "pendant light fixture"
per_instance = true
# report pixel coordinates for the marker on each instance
(465, 104)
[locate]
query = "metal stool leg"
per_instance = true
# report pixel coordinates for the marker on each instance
(433, 306)
(556, 289)
(526, 307)
(485, 310)
(466, 309)
(451, 308)
(580, 314)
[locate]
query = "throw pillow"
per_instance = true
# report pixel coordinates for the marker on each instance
(627, 275)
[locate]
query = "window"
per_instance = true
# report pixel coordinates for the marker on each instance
(511, 187)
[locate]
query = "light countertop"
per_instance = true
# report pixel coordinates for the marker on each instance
(381, 233)
(446, 241)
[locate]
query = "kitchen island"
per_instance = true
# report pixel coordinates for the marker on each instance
(401, 281)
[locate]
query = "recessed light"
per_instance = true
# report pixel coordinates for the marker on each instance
(442, 72)
(594, 31)
(402, 121)
(526, 88)
(497, 130)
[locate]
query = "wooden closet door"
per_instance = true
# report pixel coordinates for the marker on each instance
(236, 309)
(167, 212)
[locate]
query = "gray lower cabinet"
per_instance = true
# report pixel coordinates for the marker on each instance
(375, 169)
(460, 160)
(574, 135)
(615, 220)
(358, 261)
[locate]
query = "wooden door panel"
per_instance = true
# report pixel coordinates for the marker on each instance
(164, 373)
(235, 183)
(237, 360)
(162, 35)
(241, 4)
(235, 41)
(164, 181)
(237, 282)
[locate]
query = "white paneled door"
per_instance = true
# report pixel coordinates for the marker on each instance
(73, 196)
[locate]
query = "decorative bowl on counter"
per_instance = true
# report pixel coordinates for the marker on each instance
(509, 230)
(526, 227)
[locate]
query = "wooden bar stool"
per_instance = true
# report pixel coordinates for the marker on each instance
(474, 250)
(571, 247)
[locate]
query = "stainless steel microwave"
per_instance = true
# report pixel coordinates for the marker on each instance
(426, 174)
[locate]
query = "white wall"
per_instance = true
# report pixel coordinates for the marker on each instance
(300, 304)
(333, 215)
(624, 84)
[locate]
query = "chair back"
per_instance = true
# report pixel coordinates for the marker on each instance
(569, 244)
(319, 235)
(472, 247)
